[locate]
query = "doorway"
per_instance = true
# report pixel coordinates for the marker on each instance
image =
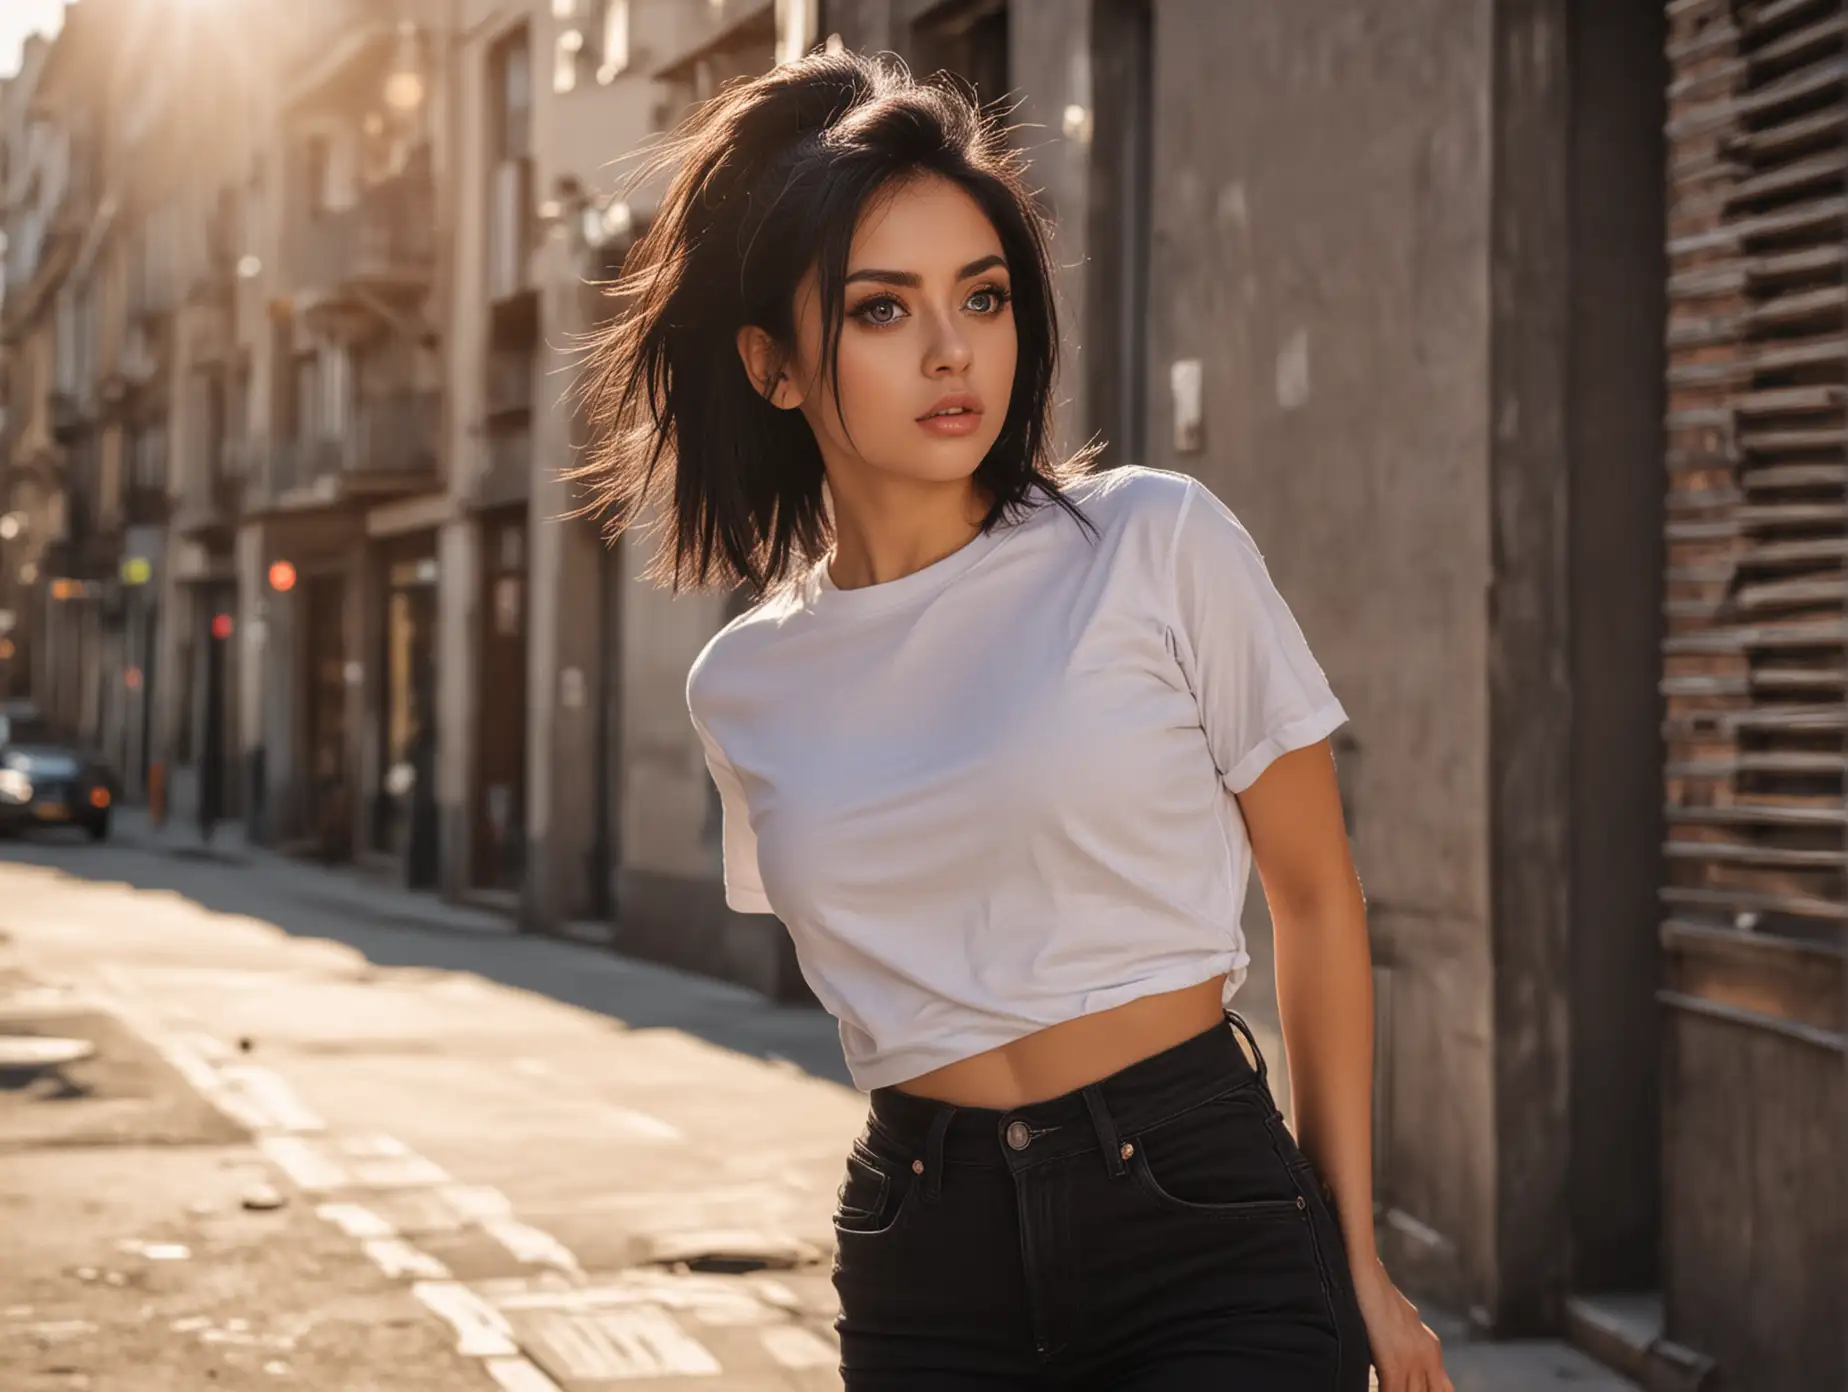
(499, 816)
(330, 802)
(404, 796)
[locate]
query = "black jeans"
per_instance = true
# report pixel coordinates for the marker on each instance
(1156, 1231)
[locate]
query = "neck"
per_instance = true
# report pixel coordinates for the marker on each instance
(886, 528)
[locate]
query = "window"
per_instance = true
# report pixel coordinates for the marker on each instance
(305, 394)
(510, 73)
(592, 42)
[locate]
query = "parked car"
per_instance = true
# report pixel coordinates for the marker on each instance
(46, 782)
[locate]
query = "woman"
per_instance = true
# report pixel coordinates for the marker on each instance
(998, 742)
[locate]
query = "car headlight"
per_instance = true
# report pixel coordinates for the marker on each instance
(15, 786)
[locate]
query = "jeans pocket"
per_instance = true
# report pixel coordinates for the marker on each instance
(874, 1195)
(1216, 1160)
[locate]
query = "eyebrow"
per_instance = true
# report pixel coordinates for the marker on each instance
(912, 280)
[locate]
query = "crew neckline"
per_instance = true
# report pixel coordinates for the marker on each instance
(924, 581)
(823, 593)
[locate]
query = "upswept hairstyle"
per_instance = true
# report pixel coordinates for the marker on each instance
(769, 179)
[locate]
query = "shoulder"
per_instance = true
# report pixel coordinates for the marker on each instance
(1138, 512)
(725, 662)
(1133, 494)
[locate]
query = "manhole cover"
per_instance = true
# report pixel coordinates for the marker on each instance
(41, 1051)
(731, 1252)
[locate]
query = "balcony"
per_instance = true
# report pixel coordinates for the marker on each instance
(397, 447)
(381, 248)
(393, 450)
(207, 508)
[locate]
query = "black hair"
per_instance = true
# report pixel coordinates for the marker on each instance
(768, 180)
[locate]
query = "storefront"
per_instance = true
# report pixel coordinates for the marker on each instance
(403, 823)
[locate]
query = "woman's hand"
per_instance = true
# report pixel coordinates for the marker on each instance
(1406, 1353)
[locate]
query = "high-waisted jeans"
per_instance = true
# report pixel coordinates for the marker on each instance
(1156, 1231)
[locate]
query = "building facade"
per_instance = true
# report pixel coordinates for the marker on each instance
(291, 400)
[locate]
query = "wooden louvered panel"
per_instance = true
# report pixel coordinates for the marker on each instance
(1755, 661)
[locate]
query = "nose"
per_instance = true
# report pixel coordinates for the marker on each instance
(949, 353)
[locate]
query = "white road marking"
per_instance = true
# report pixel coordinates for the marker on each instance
(718, 1301)
(519, 1375)
(635, 1341)
(371, 1162)
(269, 1093)
(189, 1065)
(207, 1046)
(474, 1203)
(396, 1172)
(417, 1212)
(310, 1167)
(799, 1348)
(396, 1257)
(481, 1330)
(373, 1146)
(355, 1220)
(532, 1245)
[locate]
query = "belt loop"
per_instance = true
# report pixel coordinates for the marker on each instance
(1106, 1131)
(1237, 1022)
(933, 1154)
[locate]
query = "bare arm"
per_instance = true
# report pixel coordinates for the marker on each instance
(1325, 994)
(1324, 974)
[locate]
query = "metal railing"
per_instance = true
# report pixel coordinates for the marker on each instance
(388, 236)
(301, 463)
(211, 497)
(398, 434)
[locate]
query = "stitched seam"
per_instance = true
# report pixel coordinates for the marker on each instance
(1315, 1244)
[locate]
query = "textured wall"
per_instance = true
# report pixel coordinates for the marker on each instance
(1321, 228)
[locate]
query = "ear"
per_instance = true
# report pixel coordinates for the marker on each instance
(765, 365)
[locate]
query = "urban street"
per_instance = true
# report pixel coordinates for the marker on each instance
(326, 1134)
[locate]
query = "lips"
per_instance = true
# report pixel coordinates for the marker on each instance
(951, 407)
(960, 414)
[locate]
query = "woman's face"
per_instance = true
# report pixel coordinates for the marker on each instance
(927, 345)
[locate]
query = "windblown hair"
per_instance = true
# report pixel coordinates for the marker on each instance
(768, 180)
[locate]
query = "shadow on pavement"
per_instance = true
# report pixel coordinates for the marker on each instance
(392, 927)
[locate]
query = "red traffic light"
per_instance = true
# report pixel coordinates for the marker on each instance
(282, 577)
(221, 626)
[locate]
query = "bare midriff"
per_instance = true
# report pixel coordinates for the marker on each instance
(1065, 1057)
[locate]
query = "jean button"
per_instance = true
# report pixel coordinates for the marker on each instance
(1019, 1135)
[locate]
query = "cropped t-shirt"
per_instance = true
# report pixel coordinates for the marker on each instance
(993, 795)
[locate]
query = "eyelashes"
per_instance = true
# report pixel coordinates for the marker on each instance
(883, 311)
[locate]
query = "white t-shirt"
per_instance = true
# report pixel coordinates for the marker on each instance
(993, 795)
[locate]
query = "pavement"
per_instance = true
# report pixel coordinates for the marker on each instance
(328, 1133)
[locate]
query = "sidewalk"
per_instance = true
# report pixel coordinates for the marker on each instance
(330, 886)
(438, 976)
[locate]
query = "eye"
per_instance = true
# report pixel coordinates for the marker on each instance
(880, 310)
(987, 300)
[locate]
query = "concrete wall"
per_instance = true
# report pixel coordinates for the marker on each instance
(1321, 247)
